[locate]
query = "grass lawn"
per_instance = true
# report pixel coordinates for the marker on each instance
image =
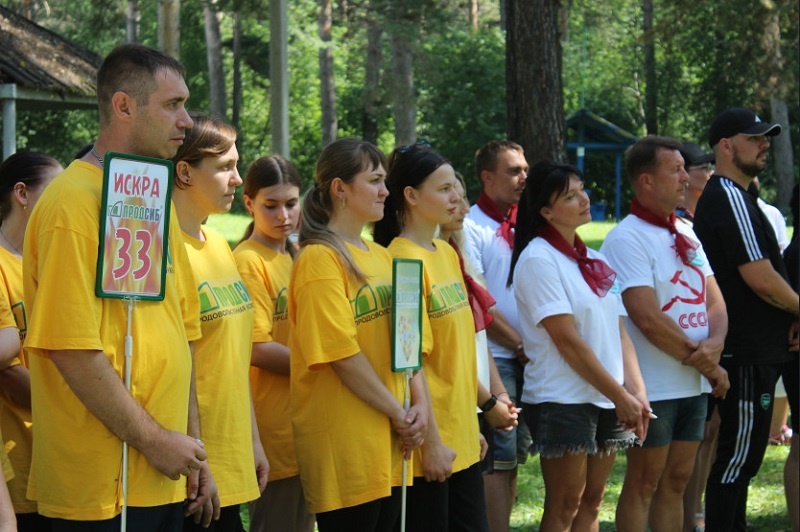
(766, 504)
(232, 227)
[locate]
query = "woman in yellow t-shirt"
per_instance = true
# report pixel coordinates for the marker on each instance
(204, 184)
(448, 483)
(23, 177)
(264, 258)
(350, 428)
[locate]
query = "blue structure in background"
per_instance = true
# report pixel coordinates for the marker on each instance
(595, 133)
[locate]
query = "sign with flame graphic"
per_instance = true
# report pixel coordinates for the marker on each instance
(134, 227)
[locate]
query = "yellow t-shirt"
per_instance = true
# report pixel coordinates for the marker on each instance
(15, 419)
(76, 465)
(450, 363)
(6, 321)
(266, 274)
(347, 450)
(221, 366)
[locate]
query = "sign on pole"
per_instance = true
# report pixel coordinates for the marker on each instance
(407, 307)
(134, 227)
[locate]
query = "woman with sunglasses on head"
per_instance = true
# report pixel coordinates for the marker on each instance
(448, 485)
(264, 258)
(204, 184)
(23, 177)
(350, 429)
(583, 397)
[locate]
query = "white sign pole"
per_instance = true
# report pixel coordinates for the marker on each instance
(407, 311)
(128, 357)
(404, 489)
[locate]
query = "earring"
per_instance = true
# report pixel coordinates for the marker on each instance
(344, 202)
(187, 179)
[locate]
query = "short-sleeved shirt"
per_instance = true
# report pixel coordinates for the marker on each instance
(6, 321)
(15, 419)
(76, 465)
(222, 367)
(347, 450)
(553, 285)
(266, 274)
(643, 255)
(491, 256)
(734, 232)
(448, 332)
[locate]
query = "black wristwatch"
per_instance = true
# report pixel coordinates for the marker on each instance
(488, 405)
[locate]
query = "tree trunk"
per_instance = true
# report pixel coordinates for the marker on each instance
(783, 153)
(782, 144)
(473, 14)
(279, 76)
(237, 75)
(132, 21)
(533, 79)
(651, 87)
(326, 77)
(169, 27)
(405, 108)
(372, 94)
(216, 76)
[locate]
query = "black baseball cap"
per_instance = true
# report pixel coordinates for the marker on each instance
(693, 154)
(738, 121)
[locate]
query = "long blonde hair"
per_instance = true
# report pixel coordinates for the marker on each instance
(344, 158)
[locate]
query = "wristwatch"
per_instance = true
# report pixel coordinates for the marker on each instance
(488, 405)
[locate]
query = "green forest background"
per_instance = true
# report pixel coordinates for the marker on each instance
(709, 55)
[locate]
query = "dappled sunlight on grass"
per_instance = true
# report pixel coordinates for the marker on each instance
(594, 233)
(766, 505)
(231, 226)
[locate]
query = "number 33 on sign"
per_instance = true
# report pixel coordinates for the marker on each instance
(134, 227)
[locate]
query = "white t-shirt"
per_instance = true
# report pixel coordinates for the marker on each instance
(777, 221)
(491, 255)
(548, 283)
(643, 254)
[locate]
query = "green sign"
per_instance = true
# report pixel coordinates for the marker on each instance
(407, 308)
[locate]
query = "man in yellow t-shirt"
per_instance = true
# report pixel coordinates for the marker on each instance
(82, 411)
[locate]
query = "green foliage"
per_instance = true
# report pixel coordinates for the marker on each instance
(709, 56)
(462, 94)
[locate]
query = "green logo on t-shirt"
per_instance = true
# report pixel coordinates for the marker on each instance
(371, 299)
(213, 297)
(446, 296)
(18, 309)
(281, 305)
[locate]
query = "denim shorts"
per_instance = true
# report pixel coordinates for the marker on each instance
(678, 420)
(511, 447)
(575, 428)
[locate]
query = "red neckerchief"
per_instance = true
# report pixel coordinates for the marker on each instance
(507, 222)
(684, 245)
(480, 300)
(597, 274)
